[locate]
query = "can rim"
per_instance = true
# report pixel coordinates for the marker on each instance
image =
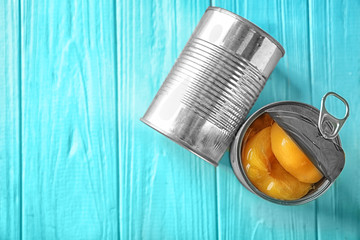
(235, 159)
(244, 20)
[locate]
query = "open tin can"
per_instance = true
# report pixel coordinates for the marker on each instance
(211, 88)
(314, 132)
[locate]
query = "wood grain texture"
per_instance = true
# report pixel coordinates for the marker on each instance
(10, 130)
(77, 163)
(70, 162)
(335, 64)
(166, 192)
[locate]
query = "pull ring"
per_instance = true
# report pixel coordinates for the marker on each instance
(329, 125)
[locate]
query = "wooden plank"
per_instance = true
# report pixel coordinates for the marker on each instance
(165, 191)
(242, 215)
(70, 160)
(335, 58)
(10, 149)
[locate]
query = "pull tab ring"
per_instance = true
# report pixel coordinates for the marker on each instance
(329, 125)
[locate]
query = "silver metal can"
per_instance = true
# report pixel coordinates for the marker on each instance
(317, 138)
(214, 83)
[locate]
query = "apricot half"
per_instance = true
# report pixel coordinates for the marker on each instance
(265, 172)
(291, 158)
(260, 123)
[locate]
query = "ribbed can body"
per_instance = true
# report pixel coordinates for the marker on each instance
(213, 84)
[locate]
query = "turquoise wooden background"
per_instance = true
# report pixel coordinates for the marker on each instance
(76, 162)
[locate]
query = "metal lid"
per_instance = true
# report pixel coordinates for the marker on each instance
(316, 133)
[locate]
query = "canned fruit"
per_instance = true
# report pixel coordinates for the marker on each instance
(266, 173)
(291, 157)
(262, 172)
(260, 123)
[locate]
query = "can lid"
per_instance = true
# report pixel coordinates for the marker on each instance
(316, 133)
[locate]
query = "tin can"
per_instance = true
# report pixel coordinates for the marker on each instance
(214, 83)
(323, 147)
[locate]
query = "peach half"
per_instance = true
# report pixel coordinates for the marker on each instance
(266, 173)
(291, 157)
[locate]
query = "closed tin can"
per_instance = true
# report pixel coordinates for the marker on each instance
(214, 83)
(314, 131)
